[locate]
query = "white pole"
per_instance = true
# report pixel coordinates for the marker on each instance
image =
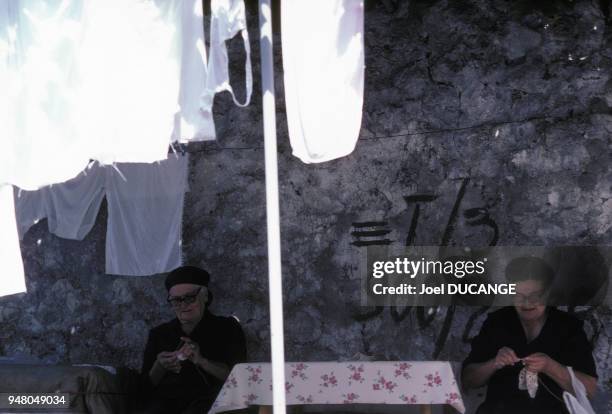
(272, 208)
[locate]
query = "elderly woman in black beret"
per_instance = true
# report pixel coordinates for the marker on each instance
(187, 359)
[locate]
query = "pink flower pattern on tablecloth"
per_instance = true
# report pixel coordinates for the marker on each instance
(382, 384)
(254, 375)
(401, 370)
(344, 383)
(452, 398)
(329, 380)
(433, 379)
(231, 382)
(299, 370)
(305, 400)
(249, 399)
(356, 374)
(410, 400)
(350, 398)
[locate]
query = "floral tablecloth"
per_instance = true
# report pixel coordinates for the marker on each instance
(343, 383)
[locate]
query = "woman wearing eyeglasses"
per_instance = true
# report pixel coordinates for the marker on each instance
(187, 359)
(522, 352)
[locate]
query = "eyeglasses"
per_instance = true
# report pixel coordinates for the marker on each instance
(533, 298)
(177, 301)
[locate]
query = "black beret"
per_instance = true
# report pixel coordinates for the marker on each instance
(187, 274)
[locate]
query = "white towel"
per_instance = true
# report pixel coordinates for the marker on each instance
(323, 61)
(578, 404)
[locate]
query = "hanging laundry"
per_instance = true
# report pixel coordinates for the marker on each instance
(191, 123)
(129, 68)
(145, 211)
(12, 280)
(30, 208)
(91, 92)
(201, 81)
(163, 72)
(39, 43)
(120, 95)
(105, 80)
(324, 74)
(228, 19)
(70, 207)
(145, 217)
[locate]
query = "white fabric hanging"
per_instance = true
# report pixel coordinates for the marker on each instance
(94, 93)
(228, 18)
(70, 207)
(108, 80)
(202, 80)
(128, 68)
(73, 90)
(76, 90)
(578, 404)
(324, 74)
(145, 216)
(11, 280)
(39, 43)
(145, 210)
(30, 208)
(190, 123)
(38, 40)
(105, 80)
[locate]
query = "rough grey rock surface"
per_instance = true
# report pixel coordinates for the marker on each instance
(491, 104)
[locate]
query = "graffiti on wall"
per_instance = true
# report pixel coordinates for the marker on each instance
(377, 233)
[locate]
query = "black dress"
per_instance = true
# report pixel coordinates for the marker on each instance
(220, 339)
(562, 338)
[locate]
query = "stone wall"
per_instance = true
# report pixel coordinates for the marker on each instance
(500, 111)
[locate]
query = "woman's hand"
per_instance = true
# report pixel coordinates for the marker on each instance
(537, 362)
(505, 356)
(169, 361)
(191, 350)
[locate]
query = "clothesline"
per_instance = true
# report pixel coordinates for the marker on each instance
(186, 149)
(183, 148)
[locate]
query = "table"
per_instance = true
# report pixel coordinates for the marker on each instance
(389, 382)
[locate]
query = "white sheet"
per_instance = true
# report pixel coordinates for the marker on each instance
(145, 216)
(323, 61)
